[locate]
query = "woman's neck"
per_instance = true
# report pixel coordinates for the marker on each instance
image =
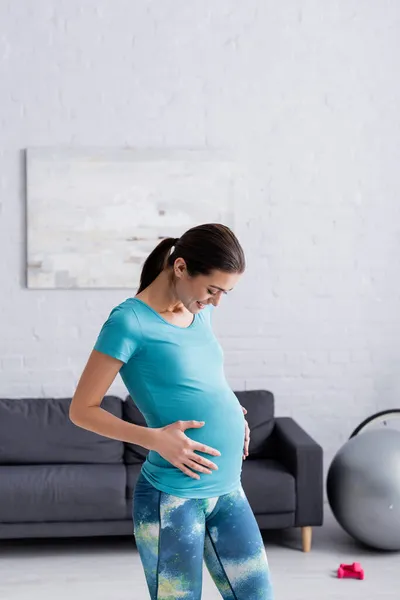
(160, 295)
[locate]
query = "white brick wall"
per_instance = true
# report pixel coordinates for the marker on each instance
(308, 93)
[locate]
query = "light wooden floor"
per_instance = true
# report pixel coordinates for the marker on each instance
(110, 569)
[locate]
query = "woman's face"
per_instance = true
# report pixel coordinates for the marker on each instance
(196, 292)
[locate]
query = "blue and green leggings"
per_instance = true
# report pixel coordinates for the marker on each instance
(173, 535)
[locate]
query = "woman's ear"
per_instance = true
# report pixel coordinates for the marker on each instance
(179, 267)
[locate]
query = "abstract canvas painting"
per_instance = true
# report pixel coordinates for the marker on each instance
(94, 215)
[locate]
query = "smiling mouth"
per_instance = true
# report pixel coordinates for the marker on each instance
(200, 304)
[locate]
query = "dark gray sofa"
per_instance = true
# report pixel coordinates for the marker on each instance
(59, 480)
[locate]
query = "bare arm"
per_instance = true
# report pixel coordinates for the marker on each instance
(85, 411)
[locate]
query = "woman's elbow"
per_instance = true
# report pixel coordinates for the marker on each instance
(75, 413)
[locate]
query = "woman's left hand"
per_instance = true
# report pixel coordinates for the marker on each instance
(246, 436)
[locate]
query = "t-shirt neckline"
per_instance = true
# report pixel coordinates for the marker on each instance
(165, 320)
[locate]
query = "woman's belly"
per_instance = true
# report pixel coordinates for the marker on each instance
(223, 430)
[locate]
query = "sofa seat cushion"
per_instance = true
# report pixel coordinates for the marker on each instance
(269, 486)
(32, 493)
(39, 431)
(132, 475)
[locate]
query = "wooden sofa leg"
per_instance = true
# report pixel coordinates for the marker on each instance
(306, 537)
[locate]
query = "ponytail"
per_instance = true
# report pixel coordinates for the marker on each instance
(155, 262)
(204, 248)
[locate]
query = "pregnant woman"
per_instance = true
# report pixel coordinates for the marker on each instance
(188, 502)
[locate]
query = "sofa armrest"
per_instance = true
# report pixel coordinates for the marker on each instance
(303, 457)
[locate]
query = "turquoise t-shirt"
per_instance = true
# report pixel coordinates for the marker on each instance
(173, 374)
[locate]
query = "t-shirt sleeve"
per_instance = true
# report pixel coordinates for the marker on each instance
(120, 336)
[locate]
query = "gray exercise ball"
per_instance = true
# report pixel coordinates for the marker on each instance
(363, 488)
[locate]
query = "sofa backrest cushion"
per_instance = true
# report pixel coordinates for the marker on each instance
(39, 431)
(260, 416)
(134, 454)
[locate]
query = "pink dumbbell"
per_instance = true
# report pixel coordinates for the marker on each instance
(354, 571)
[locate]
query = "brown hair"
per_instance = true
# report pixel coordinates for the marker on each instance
(204, 248)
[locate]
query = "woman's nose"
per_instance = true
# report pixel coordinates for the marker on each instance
(216, 299)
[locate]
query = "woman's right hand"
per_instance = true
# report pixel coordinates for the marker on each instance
(173, 445)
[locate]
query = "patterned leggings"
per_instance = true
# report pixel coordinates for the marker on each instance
(174, 534)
